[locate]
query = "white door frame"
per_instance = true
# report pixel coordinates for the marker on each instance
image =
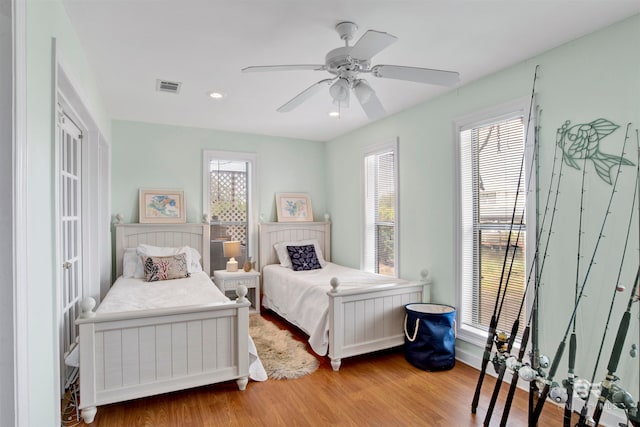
(70, 214)
(20, 285)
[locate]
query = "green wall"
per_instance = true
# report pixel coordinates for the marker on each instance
(595, 76)
(592, 77)
(162, 156)
(47, 20)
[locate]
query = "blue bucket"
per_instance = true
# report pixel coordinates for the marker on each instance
(429, 336)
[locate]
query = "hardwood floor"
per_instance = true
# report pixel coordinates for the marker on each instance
(381, 389)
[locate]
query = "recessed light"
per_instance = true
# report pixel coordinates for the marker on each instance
(216, 95)
(334, 114)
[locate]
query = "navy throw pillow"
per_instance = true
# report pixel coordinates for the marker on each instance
(303, 258)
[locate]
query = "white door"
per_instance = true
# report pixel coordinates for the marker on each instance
(70, 226)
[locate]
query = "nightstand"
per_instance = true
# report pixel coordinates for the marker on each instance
(227, 281)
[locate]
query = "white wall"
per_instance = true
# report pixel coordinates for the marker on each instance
(589, 78)
(7, 401)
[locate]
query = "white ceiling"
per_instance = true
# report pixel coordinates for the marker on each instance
(204, 44)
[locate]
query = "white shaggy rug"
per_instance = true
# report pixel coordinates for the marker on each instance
(282, 356)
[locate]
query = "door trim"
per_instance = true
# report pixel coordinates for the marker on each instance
(20, 285)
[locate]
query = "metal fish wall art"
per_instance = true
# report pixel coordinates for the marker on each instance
(582, 141)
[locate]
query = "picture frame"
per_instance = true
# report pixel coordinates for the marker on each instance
(161, 206)
(294, 207)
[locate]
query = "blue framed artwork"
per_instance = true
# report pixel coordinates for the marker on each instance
(161, 206)
(291, 207)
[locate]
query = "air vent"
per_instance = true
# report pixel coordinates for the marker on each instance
(167, 86)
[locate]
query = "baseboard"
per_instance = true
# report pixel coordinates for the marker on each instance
(611, 417)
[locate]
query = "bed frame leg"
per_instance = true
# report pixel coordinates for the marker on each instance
(88, 414)
(335, 364)
(242, 382)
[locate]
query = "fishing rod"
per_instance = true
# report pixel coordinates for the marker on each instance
(504, 344)
(493, 323)
(583, 412)
(561, 347)
(504, 352)
(529, 373)
(573, 341)
(534, 356)
(609, 389)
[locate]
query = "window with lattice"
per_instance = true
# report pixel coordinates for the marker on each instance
(227, 202)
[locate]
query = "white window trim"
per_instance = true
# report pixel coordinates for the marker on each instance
(489, 115)
(252, 158)
(374, 149)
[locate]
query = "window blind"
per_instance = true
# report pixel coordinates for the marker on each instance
(380, 212)
(491, 159)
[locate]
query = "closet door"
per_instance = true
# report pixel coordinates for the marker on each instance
(70, 216)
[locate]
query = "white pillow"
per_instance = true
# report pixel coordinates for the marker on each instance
(130, 260)
(283, 254)
(193, 256)
(195, 260)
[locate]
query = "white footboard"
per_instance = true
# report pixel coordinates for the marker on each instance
(364, 321)
(135, 354)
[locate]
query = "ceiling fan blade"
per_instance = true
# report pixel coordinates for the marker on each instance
(371, 43)
(415, 74)
(369, 101)
(304, 95)
(259, 68)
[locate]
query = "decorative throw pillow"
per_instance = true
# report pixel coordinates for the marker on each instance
(283, 255)
(303, 258)
(193, 256)
(165, 267)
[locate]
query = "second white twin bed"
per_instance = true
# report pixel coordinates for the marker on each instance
(344, 311)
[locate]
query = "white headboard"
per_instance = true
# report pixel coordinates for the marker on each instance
(173, 235)
(274, 232)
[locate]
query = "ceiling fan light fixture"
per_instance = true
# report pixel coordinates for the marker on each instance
(339, 90)
(334, 114)
(363, 91)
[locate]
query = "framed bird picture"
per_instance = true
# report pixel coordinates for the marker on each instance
(293, 207)
(161, 206)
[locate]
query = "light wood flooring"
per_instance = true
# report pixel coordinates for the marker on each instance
(381, 389)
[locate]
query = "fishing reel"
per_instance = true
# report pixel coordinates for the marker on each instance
(558, 393)
(621, 398)
(501, 340)
(524, 370)
(634, 416)
(543, 361)
(582, 388)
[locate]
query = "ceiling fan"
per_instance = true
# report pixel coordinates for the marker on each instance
(346, 63)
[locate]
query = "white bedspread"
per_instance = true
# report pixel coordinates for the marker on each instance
(301, 296)
(129, 294)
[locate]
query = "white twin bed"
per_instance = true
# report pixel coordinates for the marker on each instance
(345, 312)
(147, 338)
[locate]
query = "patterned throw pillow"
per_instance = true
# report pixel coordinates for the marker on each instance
(165, 267)
(303, 258)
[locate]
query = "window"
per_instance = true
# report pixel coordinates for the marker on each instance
(381, 210)
(493, 178)
(229, 188)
